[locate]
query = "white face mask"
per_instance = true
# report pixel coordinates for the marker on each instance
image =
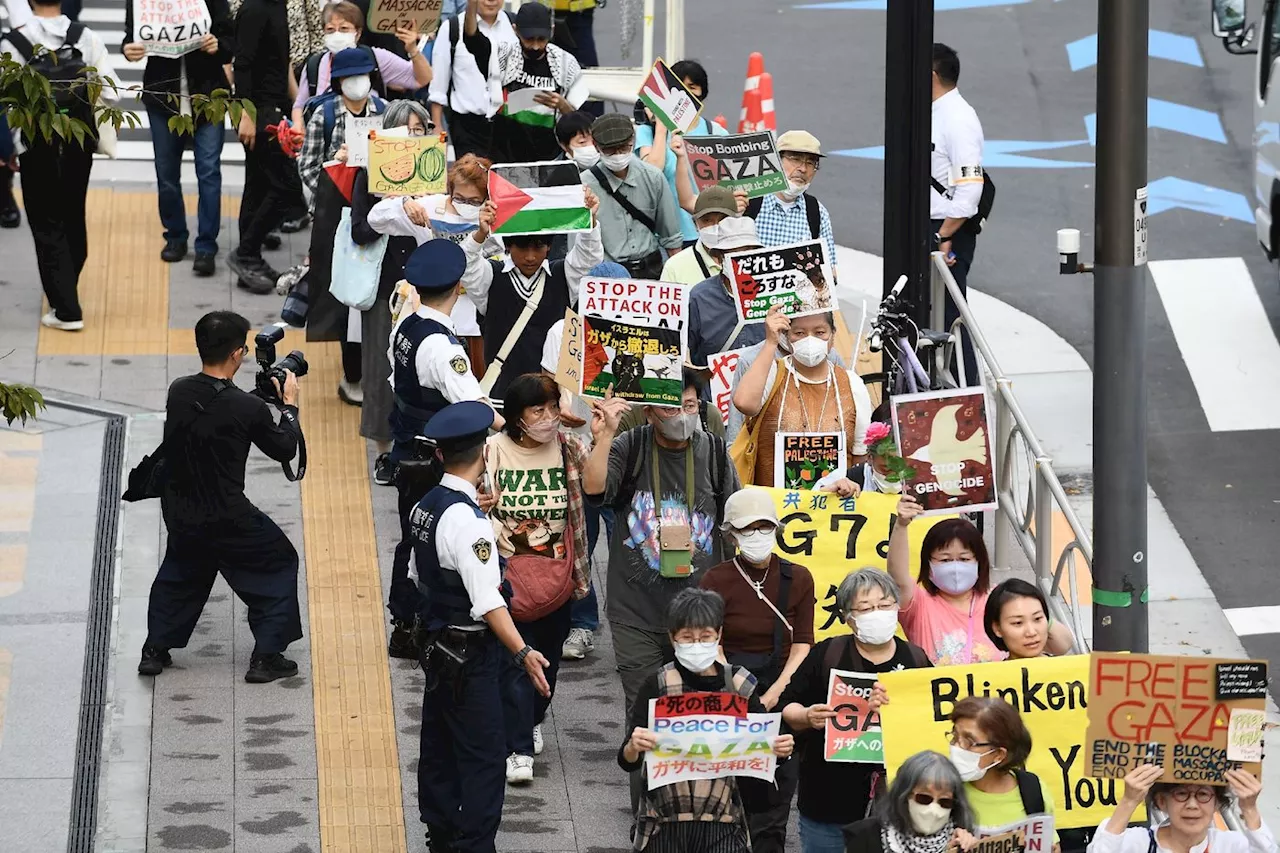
(877, 627)
(586, 156)
(679, 427)
(884, 486)
(697, 657)
(356, 88)
(927, 820)
(616, 162)
(794, 188)
(969, 764)
(338, 42)
(810, 351)
(756, 545)
(954, 576)
(469, 212)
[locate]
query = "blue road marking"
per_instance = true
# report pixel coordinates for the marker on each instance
(1083, 53)
(1167, 115)
(998, 154)
(1171, 193)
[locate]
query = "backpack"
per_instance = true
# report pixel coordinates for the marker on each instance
(329, 103)
(811, 210)
(65, 69)
(643, 436)
(973, 225)
(1030, 792)
(319, 99)
(455, 27)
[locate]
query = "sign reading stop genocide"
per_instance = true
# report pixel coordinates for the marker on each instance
(170, 27)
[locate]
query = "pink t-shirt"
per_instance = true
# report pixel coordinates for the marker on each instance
(396, 71)
(947, 635)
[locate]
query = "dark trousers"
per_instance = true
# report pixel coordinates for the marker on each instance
(769, 807)
(405, 600)
(963, 245)
(522, 706)
(639, 655)
(581, 26)
(55, 182)
(462, 762)
(270, 182)
(470, 134)
(352, 362)
(259, 564)
(586, 611)
(206, 145)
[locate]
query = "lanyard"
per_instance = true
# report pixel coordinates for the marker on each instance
(657, 485)
(759, 591)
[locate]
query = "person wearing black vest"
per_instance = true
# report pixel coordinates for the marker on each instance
(429, 371)
(468, 628)
(520, 297)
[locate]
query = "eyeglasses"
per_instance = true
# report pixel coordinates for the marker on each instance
(807, 160)
(473, 201)
(964, 741)
(1182, 795)
(928, 799)
(884, 605)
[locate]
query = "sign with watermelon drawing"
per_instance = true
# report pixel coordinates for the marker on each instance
(669, 100)
(538, 198)
(406, 165)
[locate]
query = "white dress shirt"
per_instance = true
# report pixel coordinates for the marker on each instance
(460, 536)
(470, 84)
(587, 251)
(1135, 839)
(436, 362)
(956, 160)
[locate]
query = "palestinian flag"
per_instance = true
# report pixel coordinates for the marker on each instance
(538, 198)
(669, 99)
(519, 105)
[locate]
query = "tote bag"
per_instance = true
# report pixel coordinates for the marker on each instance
(356, 269)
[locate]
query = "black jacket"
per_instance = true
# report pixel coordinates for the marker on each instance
(204, 70)
(863, 837)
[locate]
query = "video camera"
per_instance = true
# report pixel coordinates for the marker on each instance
(264, 350)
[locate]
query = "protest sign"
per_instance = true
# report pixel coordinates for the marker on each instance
(669, 99)
(745, 161)
(386, 15)
(357, 138)
(945, 437)
(831, 536)
(853, 734)
(641, 363)
(661, 303)
(1051, 695)
(801, 459)
(707, 736)
(569, 368)
(722, 366)
(1033, 835)
(797, 277)
(406, 165)
(1244, 735)
(1166, 710)
(170, 27)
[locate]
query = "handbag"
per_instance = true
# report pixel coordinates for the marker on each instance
(746, 442)
(356, 269)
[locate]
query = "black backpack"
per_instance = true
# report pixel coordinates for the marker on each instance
(455, 33)
(811, 211)
(65, 69)
(973, 225)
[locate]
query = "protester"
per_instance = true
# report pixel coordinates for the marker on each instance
(768, 630)
(794, 215)
(713, 316)
(1188, 822)
(924, 811)
(693, 264)
(637, 209)
(167, 86)
(833, 794)
(877, 473)
(55, 174)
(460, 87)
(526, 133)
(1017, 621)
(574, 27)
(801, 392)
(704, 814)
(573, 133)
(524, 294)
(536, 504)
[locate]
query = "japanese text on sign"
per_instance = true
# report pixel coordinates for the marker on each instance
(697, 743)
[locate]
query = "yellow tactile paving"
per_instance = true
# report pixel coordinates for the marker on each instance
(13, 568)
(359, 768)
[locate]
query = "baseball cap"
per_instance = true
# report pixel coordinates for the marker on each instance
(349, 63)
(533, 21)
(747, 506)
(730, 233)
(715, 199)
(800, 142)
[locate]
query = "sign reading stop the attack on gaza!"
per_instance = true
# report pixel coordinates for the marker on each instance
(945, 438)
(669, 99)
(746, 161)
(406, 165)
(1196, 717)
(170, 27)
(1052, 696)
(386, 15)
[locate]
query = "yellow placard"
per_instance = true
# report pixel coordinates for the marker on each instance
(831, 536)
(1051, 695)
(406, 165)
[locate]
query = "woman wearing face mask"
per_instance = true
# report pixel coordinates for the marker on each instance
(1018, 622)
(924, 811)
(833, 794)
(703, 815)
(1189, 822)
(876, 474)
(800, 392)
(535, 499)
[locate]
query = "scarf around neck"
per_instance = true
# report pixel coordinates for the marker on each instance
(895, 841)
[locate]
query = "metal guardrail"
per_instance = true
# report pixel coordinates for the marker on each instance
(1028, 487)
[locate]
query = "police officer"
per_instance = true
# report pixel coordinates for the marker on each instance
(956, 178)
(461, 767)
(429, 370)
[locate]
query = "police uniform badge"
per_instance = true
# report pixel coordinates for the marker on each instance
(482, 549)
(459, 365)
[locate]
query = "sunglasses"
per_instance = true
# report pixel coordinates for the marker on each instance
(928, 799)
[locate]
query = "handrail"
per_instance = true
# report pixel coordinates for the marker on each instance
(1028, 517)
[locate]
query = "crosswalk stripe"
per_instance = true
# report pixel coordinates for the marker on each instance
(1225, 339)
(1247, 621)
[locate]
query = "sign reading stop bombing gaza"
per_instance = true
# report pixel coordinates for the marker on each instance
(406, 165)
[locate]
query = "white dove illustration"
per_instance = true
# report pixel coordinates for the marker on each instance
(944, 449)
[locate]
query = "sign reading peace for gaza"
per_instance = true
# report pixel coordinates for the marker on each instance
(170, 27)
(707, 736)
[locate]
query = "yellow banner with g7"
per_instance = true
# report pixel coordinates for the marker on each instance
(1051, 696)
(832, 536)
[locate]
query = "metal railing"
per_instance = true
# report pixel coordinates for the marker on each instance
(1029, 490)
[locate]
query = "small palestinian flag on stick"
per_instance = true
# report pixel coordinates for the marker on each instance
(538, 198)
(669, 100)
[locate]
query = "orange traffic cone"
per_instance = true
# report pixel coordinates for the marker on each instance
(751, 118)
(767, 115)
(722, 121)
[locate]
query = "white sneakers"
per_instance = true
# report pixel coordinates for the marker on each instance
(519, 769)
(350, 392)
(537, 740)
(51, 320)
(577, 645)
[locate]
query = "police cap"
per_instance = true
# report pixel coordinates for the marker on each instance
(435, 265)
(460, 426)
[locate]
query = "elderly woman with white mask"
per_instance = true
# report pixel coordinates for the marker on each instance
(924, 811)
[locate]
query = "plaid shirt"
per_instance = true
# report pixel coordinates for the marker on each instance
(781, 225)
(314, 154)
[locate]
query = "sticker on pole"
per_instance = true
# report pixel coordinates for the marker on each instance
(1140, 227)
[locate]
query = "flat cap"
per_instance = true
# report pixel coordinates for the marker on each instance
(612, 129)
(435, 265)
(459, 426)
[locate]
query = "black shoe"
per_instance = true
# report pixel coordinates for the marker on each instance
(10, 216)
(384, 470)
(203, 265)
(154, 661)
(401, 644)
(173, 252)
(293, 226)
(271, 242)
(264, 668)
(254, 274)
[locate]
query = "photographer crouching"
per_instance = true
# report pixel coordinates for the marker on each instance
(198, 473)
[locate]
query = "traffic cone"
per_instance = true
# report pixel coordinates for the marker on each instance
(751, 118)
(767, 115)
(722, 121)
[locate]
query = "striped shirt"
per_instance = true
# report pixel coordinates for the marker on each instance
(782, 223)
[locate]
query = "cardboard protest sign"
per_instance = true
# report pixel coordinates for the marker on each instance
(707, 736)
(1033, 835)
(853, 735)
(1244, 735)
(831, 536)
(1166, 710)
(669, 99)
(1051, 695)
(945, 436)
(722, 366)
(801, 459)
(797, 277)
(386, 15)
(641, 363)
(569, 368)
(357, 138)
(745, 161)
(406, 165)
(634, 301)
(170, 27)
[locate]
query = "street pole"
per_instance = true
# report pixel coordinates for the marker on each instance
(1119, 384)
(907, 111)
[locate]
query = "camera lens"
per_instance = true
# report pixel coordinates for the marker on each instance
(296, 362)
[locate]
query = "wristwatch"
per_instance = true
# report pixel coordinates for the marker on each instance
(522, 654)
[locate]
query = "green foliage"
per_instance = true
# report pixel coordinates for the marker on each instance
(20, 402)
(899, 469)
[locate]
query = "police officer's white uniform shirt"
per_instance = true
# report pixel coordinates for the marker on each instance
(956, 160)
(440, 363)
(464, 543)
